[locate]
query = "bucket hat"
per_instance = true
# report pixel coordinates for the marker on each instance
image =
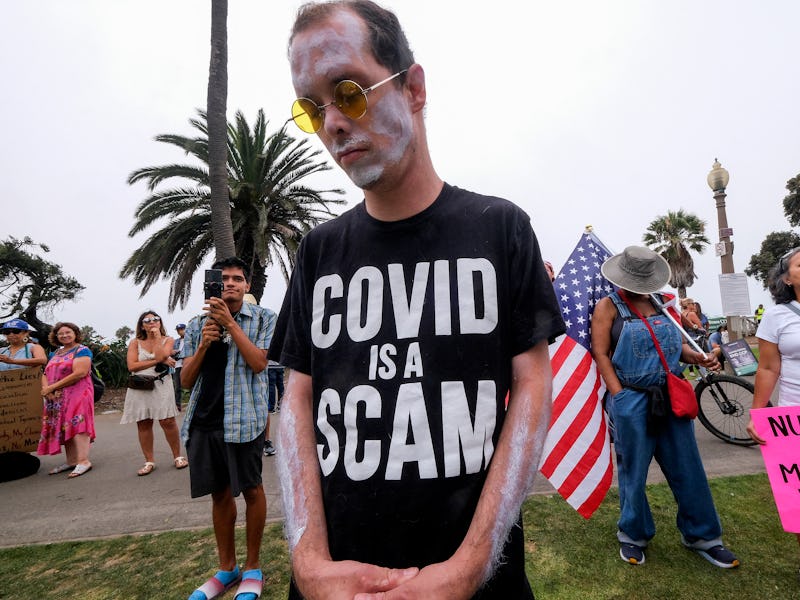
(638, 270)
(16, 324)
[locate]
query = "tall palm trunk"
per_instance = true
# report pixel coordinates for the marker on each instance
(258, 274)
(217, 104)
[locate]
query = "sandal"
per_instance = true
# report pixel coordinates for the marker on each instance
(181, 462)
(80, 470)
(216, 585)
(251, 586)
(148, 468)
(61, 469)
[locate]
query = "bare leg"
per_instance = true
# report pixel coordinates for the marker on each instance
(256, 517)
(170, 428)
(223, 515)
(82, 445)
(71, 452)
(77, 449)
(145, 429)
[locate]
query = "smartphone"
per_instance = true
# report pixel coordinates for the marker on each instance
(213, 283)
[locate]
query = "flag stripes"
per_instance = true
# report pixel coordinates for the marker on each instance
(577, 452)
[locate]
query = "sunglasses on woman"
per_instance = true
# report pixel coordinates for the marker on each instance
(783, 260)
(7, 331)
(349, 97)
(151, 319)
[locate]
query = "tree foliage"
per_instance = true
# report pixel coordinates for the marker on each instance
(674, 236)
(271, 209)
(90, 335)
(791, 203)
(30, 283)
(123, 333)
(775, 245)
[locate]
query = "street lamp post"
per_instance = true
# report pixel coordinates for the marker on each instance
(718, 179)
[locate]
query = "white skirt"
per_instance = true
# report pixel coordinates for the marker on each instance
(156, 404)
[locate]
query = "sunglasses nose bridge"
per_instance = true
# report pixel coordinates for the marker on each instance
(335, 117)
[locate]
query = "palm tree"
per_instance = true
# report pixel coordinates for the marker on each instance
(271, 210)
(673, 236)
(216, 108)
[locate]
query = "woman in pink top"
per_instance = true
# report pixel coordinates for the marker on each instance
(68, 413)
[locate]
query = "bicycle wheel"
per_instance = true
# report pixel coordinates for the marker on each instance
(724, 407)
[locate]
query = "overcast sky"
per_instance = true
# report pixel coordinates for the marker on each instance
(604, 113)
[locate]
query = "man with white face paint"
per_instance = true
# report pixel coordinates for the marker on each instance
(408, 322)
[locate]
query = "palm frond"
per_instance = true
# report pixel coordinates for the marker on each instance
(271, 209)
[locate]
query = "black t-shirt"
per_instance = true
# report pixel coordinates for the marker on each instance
(408, 330)
(210, 411)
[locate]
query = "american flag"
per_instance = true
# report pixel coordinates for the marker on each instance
(577, 453)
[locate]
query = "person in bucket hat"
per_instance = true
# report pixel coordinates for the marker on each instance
(638, 408)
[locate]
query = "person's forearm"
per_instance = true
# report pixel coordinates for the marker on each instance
(191, 367)
(514, 462)
(67, 381)
(28, 362)
(140, 365)
(607, 372)
(764, 386)
(298, 469)
(255, 357)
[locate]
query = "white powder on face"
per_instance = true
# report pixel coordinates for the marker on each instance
(289, 473)
(327, 52)
(324, 52)
(391, 134)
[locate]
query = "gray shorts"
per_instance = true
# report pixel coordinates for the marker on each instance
(215, 464)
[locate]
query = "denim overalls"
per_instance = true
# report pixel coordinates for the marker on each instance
(636, 363)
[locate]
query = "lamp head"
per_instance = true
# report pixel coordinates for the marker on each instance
(718, 177)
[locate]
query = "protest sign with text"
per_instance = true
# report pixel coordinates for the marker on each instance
(780, 427)
(20, 409)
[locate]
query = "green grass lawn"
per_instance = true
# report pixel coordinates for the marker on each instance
(568, 558)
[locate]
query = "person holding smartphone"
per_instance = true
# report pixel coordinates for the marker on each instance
(225, 366)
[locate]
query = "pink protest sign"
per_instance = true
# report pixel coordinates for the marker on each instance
(780, 427)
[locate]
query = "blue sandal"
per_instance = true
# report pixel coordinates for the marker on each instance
(252, 585)
(217, 585)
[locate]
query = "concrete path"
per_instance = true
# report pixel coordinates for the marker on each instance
(112, 500)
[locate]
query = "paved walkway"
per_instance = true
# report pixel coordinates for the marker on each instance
(111, 500)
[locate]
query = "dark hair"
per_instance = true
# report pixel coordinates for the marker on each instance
(781, 291)
(141, 334)
(233, 262)
(387, 39)
(53, 336)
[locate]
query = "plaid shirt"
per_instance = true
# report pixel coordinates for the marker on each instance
(245, 391)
